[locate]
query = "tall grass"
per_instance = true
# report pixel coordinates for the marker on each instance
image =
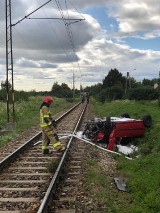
(134, 109)
(27, 115)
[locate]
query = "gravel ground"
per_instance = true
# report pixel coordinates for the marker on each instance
(85, 202)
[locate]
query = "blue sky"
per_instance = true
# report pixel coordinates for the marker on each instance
(122, 34)
(100, 13)
(110, 24)
(153, 44)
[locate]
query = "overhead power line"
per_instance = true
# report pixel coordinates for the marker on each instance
(68, 28)
(67, 19)
(25, 17)
(9, 56)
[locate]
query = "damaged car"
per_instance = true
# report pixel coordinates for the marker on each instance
(116, 130)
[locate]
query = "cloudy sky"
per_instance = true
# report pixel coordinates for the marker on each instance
(80, 38)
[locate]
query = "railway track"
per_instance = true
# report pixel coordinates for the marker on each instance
(28, 179)
(66, 198)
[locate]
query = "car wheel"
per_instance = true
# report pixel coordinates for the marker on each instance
(147, 120)
(125, 115)
(124, 141)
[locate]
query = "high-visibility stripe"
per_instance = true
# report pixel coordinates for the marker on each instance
(45, 124)
(50, 132)
(56, 144)
(44, 147)
(42, 116)
(46, 116)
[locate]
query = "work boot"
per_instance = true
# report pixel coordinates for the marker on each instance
(60, 148)
(46, 151)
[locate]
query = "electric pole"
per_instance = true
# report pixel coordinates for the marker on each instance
(127, 79)
(9, 58)
(9, 69)
(73, 85)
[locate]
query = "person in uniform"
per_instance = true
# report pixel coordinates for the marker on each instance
(48, 126)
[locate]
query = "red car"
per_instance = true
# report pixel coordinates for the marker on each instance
(116, 130)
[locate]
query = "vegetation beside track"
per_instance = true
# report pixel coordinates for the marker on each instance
(27, 115)
(141, 175)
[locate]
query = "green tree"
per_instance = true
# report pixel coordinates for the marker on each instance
(113, 78)
(55, 87)
(66, 91)
(4, 85)
(102, 96)
(116, 92)
(61, 91)
(93, 90)
(147, 82)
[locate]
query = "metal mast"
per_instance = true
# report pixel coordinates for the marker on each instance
(9, 66)
(128, 83)
(73, 85)
(9, 59)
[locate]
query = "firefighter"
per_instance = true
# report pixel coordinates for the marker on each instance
(82, 99)
(87, 98)
(48, 126)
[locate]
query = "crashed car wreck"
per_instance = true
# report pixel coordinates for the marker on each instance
(116, 130)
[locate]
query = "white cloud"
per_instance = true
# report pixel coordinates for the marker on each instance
(110, 55)
(43, 53)
(136, 15)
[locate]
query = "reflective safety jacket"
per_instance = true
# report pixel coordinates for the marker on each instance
(45, 116)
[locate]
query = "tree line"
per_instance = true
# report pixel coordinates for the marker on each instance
(114, 86)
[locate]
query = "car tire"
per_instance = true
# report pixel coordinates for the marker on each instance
(124, 141)
(147, 120)
(125, 115)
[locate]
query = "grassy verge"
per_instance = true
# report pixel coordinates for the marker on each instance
(103, 193)
(27, 115)
(142, 175)
(97, 186)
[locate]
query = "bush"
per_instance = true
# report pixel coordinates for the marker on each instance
(143, 93)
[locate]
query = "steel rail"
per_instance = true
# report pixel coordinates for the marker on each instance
(28, 143)
(45, 204)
